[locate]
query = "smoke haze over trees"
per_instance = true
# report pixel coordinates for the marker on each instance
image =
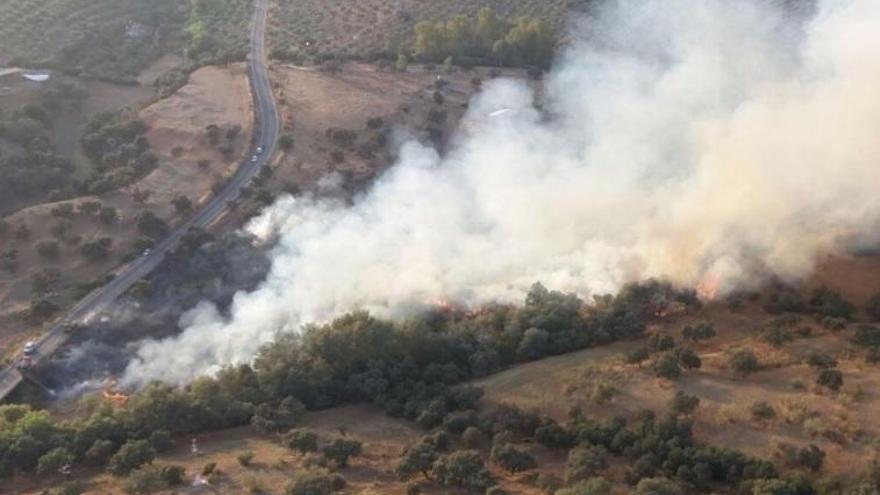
(718, 141)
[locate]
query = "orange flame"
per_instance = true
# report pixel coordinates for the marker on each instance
(707, 290)
(114, 396)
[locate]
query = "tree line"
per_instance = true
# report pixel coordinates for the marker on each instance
(413, 369)
(487, 39)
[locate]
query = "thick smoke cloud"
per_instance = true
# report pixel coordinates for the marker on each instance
(692, 141)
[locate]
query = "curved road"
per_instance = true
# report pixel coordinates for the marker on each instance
(265, 136)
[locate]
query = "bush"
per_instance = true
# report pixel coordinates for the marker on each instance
(100, 452)
(130, 456)
(684, 403)
(48, 248)
(688, 359)
(513, 458)
(592, 486)
(743, 362)
(245, 458)
(872, 307)
(584, 462)
(657, 486)
(821, 361)
(666, 366)
(462, 469)
(316, 481)
(144, 481)
(761, 411)
(339, 450)
(52, 461)
(473, 438)
(830, 378)
(302, 440)
(777, 336)
(551, 434)
(702, 330)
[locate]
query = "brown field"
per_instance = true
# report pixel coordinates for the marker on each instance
(364, 27)
(314, 101)
(213, 96)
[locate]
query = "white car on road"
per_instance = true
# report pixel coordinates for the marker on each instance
(30, 347)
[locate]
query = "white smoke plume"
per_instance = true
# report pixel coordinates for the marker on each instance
(677, 139)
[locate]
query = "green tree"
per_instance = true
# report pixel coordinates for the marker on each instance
(417, 458)
(743, 362)
(182, 205)
(513, 458)
(584, 462)
(339, 450)
(657, 486)
(666, 366)
(130, 456)
(592, 486)
(462, 469)
(315, 482)
(302, 440)
(52, 461)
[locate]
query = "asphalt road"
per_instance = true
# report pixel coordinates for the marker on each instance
(265, 136)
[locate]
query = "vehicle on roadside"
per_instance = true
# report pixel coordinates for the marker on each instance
(30, 347)
(259, 150)
(254, 159)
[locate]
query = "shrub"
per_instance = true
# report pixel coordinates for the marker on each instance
(584, 463)
(657, 486)
(100, 452)
(830, 378)
(688, 359)
(317, 481)
(302, 440)
(418, 458)
(52, 461)
(209, 468)
(551, 434)
(777, 336)
(173, 475)
(245, 458)
(144, 481)
(48, 248)
(743, 362)
(638, 355)
(666, 366)
(761, 411)
(513, 458)
(702, 330)
(473, 438)
(592, 486)
(339, 450)
(872, 307)
(821, 360)
(462, 469)
(160, 440)
(684, 403)
(867, 336)
(130, 456)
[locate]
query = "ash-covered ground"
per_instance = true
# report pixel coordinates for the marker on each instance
(202, 269)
